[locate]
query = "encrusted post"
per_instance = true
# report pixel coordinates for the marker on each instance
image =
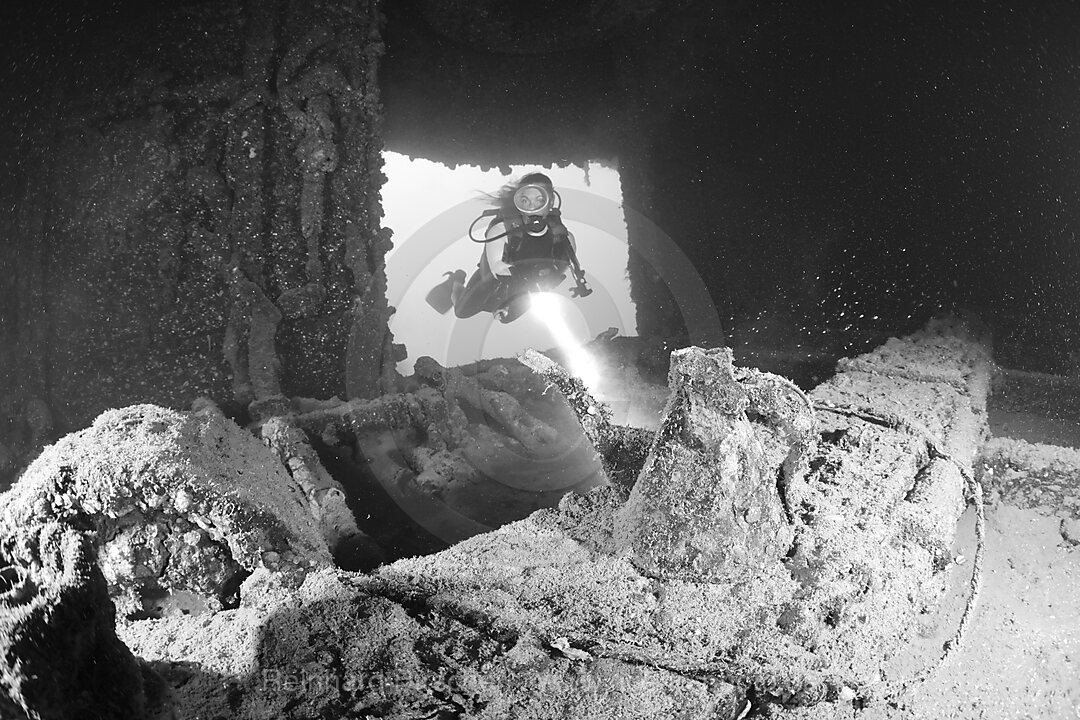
(213, 211)
(706, 505)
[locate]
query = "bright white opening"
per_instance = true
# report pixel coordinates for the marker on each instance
(429, 207)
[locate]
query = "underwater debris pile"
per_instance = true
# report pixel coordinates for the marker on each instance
(707, 506)
(180, 507)
(1033, 475)
(554, 616)
(900, 428)
(475, 446)
(704, 503)
(324, 496)
(62, 658)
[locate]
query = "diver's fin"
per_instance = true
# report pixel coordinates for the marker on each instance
(441, 297)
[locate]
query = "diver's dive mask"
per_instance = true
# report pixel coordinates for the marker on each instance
(534, 202)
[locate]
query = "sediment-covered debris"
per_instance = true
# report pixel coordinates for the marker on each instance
(552, 617)
(344, 645)
(900, 429)
(622, 449)
(706, 506)
(325, 497)
(181, 507)
(1033, 475)
(59, 654)
(483, 445)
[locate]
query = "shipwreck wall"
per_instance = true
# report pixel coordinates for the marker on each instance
(195, 213)
(189, 192)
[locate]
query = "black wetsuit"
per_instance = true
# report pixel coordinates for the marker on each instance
(537, 262)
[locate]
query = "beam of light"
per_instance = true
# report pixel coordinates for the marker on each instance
(547, 308)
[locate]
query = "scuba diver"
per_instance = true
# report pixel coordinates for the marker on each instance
(527, 249)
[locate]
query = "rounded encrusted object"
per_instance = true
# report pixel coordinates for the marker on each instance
(181, 507)
(59, 654)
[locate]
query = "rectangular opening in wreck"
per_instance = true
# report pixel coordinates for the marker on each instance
(430, 207)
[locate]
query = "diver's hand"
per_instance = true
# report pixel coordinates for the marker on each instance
(580, 290)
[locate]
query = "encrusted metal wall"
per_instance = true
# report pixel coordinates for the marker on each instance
(196, 213)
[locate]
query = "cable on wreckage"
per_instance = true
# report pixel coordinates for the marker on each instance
(832, 688)
(975, 489)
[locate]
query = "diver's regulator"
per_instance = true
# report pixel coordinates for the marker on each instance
(535, 202)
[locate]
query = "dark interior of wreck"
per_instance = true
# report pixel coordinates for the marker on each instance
(194, 242)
